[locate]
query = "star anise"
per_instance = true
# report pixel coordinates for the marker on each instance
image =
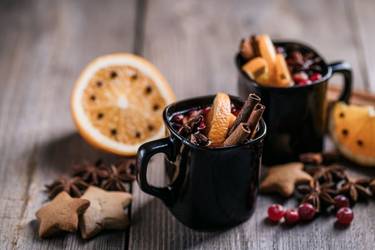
(355, 189)
(327, 174)
(199, 139)
(74, 186)
(116, 178)
(90, 173)
(192, 125)
(320, 195)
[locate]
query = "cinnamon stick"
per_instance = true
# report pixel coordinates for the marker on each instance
(239, 135)
(255, 118)
(251, 101)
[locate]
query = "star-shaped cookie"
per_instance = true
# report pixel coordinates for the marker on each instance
(61, 214)
(106, 211)
(282, 179)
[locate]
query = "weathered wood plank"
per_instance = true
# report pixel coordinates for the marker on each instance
(193, 43)
(363, 17)
(44, 45)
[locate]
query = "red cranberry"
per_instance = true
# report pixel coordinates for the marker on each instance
(341, 201)
(291, 216)
(315, 77)
(300, 76)
(235, 111)
(178, 118)
(202, 125)
(206, 110)
(275, 212)
(303, 82)
(344, 216)
(306, 211)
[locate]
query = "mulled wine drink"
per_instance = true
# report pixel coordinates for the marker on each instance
(215, 158)
(220, 124)
(292, 80)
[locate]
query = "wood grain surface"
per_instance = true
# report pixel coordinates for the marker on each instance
(44, 45)
(195, 53)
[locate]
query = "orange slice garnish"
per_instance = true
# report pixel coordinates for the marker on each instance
(219, 119)
(117, 103)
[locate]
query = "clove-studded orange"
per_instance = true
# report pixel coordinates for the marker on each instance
(352, 128)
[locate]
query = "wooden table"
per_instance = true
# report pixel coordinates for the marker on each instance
(43, 46)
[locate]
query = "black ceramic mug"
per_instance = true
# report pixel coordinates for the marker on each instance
(295, 116)
(213, 188)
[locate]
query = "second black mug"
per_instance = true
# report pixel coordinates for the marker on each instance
(295, 116)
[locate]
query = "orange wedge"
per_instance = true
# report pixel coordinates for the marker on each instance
(117, 103)
(219, 119)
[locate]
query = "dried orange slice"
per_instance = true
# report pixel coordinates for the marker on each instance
(117, 103)
(219, 119)
(353, 130)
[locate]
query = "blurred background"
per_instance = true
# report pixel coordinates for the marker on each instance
(192, 42)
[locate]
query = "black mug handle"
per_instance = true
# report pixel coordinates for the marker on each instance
(345, 69)
(145, 152)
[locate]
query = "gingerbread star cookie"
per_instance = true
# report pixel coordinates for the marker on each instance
(61, 214)
(282, 179)
(105, 212)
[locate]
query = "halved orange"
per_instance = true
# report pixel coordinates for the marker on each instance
(352, 129)
(117, 103)
(219, 119)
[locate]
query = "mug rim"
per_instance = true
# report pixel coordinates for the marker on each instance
(188, 143)
(301, 44)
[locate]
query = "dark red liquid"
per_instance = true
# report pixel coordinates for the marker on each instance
(193, 122)
(304, 67)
